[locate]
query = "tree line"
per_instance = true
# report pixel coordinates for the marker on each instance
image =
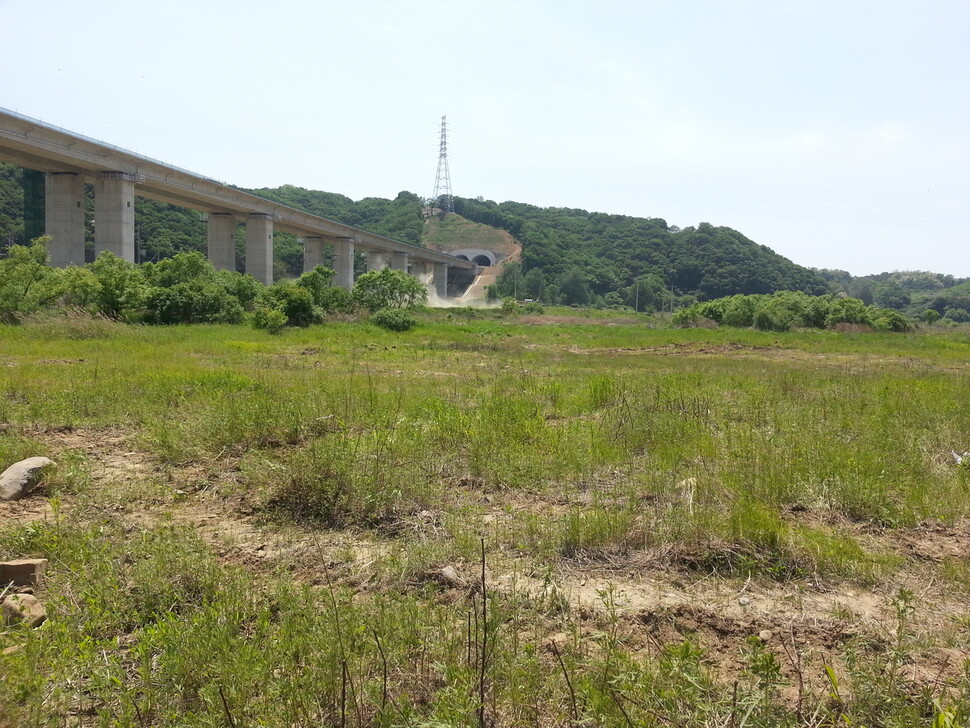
(186, 289)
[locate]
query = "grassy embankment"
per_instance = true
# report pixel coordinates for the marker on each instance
(246, 530)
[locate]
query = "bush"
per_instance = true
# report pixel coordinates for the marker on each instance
(296, 303)
(848, 311)
(194, 302)
(394, 319)
(887, 319)
(269, 318)
(26, 281)
(121, 286)
(388, 288)
(336, 300)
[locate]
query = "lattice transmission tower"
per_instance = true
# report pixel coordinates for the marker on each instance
(442, 198)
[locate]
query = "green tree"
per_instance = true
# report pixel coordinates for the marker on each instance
(121, 286)
(26, 281)
(388, 288)
(573, 288)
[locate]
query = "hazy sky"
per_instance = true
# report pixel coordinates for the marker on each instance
(835, 132)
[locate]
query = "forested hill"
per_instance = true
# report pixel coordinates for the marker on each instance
(582, 256)
(568, 256)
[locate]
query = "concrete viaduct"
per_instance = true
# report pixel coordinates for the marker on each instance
(70, 161)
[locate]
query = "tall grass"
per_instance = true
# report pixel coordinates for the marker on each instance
(736, 454)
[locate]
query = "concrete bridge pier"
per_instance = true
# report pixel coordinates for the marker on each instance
(222, 240)
(441, 280)
(64, 218)
(399, 261)
(114, 215)
(420, 271)
(343, 262)
(259, 247)
(376, 261)
(312, 253)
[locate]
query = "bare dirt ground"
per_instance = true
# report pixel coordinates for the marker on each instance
(806, 622)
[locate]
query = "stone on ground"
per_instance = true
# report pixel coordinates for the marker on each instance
(22, 572)
(17, 480)
(23, 608)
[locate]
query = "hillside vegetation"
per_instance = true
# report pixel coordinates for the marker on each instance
(569, 256)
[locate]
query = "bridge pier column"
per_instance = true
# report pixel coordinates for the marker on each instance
(312, 253)
(222, 240)
(376, 261)
(114, 215)
(420, 271)
(399, 261)
(441, 280)
(343, 262)
(259, 247)
(64, 218)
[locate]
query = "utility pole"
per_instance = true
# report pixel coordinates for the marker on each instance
(442, 182)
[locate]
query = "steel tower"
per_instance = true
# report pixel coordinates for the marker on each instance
(442, 198)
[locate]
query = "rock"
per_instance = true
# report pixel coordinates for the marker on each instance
(765, 635)
(23, 608)
(22, 572)
(744, 601)
(449, 577)
(17, 480)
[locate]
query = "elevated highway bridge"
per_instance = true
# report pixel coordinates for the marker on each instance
(71, 160)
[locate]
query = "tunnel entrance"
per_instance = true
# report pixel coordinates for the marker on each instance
(479, 256)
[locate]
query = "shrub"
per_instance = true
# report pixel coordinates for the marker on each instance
(296, 302)
(394, 319)
(887, 319)
(848, 311)
(192, 302)
(122, 288)
(243, 286)
(26, 281)
(336, 300)
(388, 288)
(270, 318)
(317, 282)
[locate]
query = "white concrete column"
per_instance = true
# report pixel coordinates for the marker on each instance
(441, 280)
(114, 215)
(420, 271)
(259, 247)
(343, 262)
(312, 253)
(399, 261)
(222, 240)
(376, 261)
(64, 218)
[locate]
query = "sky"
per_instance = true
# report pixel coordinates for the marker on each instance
(836, 132)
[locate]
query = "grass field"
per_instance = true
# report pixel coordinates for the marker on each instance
(549, 521)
